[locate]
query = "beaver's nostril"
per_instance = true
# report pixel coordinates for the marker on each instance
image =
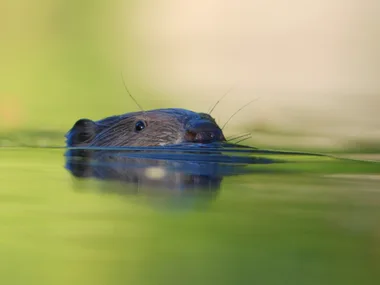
(204, 137)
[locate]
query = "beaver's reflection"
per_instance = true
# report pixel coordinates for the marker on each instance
(171, 171)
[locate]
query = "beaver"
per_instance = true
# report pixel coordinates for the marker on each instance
(91, 153)
(159, 127)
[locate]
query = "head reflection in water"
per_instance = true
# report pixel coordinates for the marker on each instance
(194, 170)
(133, 169)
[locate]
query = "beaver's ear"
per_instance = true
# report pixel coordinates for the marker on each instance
(81, 133)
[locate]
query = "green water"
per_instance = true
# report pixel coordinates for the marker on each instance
(301, 223)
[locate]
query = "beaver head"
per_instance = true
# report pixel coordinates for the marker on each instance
(146, 128)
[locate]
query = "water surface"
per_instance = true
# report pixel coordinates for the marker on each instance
(313, 221)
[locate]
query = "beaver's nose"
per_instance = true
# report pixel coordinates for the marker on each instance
(203, 131)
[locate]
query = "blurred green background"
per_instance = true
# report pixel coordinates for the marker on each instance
(56, 64)
(314, 67)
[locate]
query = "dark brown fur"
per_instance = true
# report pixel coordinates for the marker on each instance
(146, 128)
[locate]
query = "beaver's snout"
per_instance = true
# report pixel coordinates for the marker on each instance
(203, 131)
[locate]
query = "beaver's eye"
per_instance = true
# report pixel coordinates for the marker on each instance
(140, 125)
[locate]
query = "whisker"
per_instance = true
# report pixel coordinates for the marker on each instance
(216, 104)
(229, 119)
(238, 136)
(129, 93)
(239, 141)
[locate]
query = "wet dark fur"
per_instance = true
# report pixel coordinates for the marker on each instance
(162, 127)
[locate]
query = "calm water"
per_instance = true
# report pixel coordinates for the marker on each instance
(314, 221)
